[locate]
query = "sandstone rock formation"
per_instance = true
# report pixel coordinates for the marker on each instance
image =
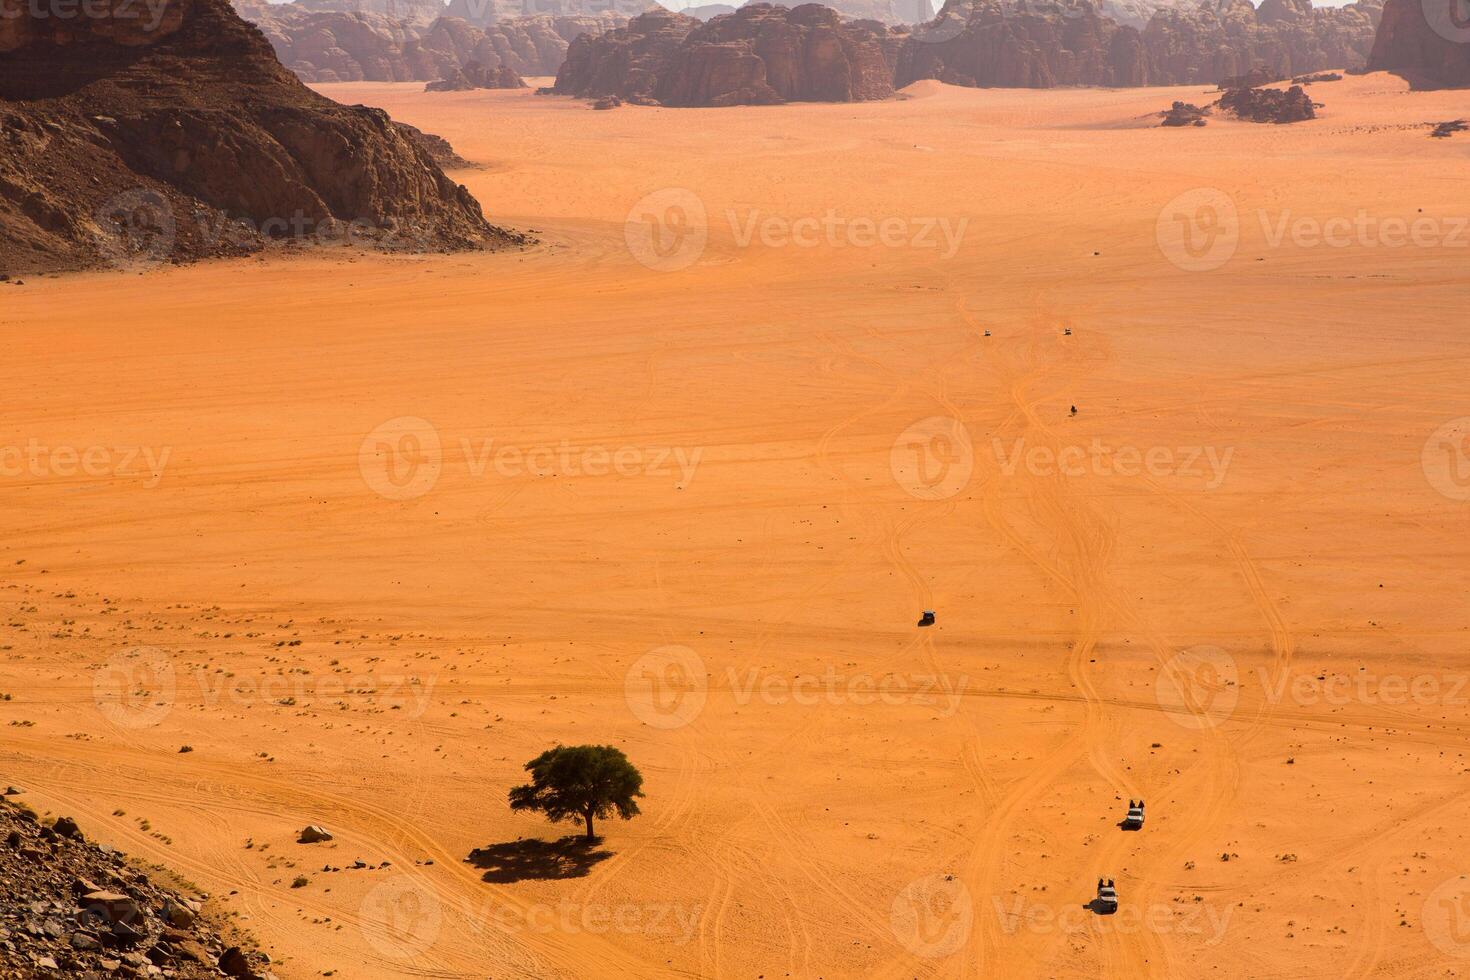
(1269, 105)
(1185, 114)
(485, 13)
(1040, 43)
(194, 141)
(475, 75)
(1284, 37)
(761, 54)
(708, 11)
(1425, 41)
(342, 46)
(989, 43)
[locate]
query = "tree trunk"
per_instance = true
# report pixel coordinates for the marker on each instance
(590, 835)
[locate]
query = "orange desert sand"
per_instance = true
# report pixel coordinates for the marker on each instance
(727, 491)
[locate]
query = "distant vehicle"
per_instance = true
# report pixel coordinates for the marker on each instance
(1134, 820)
(1066, 331)
(987, 333)
(1106, 902)
(927, 619)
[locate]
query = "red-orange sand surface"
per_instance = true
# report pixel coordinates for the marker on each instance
(368, 532)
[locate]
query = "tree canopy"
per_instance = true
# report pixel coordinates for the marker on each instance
(572, 782)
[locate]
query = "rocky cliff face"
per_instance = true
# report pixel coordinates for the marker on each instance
(475, 75)
(340, 46)
(1036, 45)
(758, 55)
(192, 140)
(1286, 37)
(484, 13)
(1426, 41)
(1068, 42)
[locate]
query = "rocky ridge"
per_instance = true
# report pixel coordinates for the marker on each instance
(190, 141)
(73, 909)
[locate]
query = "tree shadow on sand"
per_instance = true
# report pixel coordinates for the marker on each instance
(521, 860)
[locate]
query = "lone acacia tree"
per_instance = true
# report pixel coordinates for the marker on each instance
(585, 781)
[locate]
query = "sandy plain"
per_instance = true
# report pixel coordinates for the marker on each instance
(367, 532)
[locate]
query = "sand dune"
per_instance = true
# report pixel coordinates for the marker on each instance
(371, 531)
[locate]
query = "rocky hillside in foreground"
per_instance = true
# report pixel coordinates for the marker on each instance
(1068, 42)
(125, 138)
(1425, 43)
(759, 55)
(71, 909)
(323, 45)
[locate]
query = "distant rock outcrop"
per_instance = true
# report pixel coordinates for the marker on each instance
(1285, 38)
(758, 55)
(1425, 41)
(708, 11)
(1269, 105)
(1041, 43)
(341, 46)
(475, 75)
(990, 43)
(1185, 114)
(192, 140)
(485, 13)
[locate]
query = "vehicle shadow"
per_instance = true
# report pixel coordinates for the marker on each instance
(522, 860)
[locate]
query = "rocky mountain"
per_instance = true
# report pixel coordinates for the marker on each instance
(1069, 42)
(483, 13)
(708, 11)
(340, 46)
(180, 135)
(475, 75)
(892, 12)
(1426, 42)
(1231, 37)
(988, 43)
(759, 55)
(419, 12)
